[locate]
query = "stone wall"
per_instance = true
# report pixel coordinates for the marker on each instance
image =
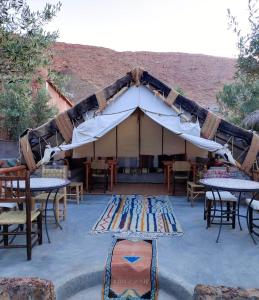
(26, 289)
(207, 292)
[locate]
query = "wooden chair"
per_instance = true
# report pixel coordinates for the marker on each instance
(24, 221)
(75, 191)
(99, 173)
(181, 172)
(194, 191)
(252, 217)
(60, 197)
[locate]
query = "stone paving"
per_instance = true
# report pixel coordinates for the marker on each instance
(75, 259)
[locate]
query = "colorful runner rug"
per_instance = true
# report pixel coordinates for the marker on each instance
(131, 270)
(141, 216)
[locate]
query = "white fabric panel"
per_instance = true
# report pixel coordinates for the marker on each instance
(172, 143)
(202, 143)
(193, 151)
(127, 137)
(106, 145)
(151, 136)
(86, 150)
(122, 107)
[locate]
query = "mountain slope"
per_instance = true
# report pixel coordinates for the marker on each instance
(92, 68)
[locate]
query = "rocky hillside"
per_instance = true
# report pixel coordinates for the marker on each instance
(91, 68)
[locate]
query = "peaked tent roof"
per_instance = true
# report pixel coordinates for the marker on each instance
(244, 144)
(100, 123)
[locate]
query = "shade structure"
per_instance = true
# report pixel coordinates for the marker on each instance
(122, 108)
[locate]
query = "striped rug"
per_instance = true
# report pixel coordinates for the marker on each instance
(139, 215)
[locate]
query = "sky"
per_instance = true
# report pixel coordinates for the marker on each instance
(190, 26)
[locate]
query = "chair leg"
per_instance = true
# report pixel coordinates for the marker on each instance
(234, 215)
(173, 187)
(39, 227)
(5, 234)
(208, 213)
(28, 240)
(57, 212)
(77, 194)
(64, 208)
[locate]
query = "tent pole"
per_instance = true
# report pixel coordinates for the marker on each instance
(116, 137)
(162, 140)
(139, 140)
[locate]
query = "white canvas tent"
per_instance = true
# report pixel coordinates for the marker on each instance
(120, 130)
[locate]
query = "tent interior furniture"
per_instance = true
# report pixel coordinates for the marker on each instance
(181, 171)
(194, 191)
(75, 190)
(218, 204)
(110, 165)
(59, 198)
(99, 174)
(253, 221)
(23, 222)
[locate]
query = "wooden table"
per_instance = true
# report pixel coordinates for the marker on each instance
(112, 165)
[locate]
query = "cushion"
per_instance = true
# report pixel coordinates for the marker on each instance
(43, 196)
(225, 196)
(254, 204)
(17, 217)
(8, 204)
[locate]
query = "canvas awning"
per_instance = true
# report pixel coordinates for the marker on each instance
(121, 108)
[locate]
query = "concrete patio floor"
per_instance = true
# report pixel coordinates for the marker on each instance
(76, 259)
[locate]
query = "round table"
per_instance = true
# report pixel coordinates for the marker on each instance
(45, 184)
(232, 185)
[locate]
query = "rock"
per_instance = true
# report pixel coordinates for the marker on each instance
(26, 289)
(207, 292)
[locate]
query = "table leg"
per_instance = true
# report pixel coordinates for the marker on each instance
(87, 178)
(56, 216)
(111, 177)
(238, 210)
(221, 215)
(45, 215)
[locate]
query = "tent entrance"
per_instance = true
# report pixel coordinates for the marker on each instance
(140, 145)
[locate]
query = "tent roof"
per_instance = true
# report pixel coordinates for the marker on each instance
(51, 132)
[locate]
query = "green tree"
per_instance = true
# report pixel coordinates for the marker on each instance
(41, 110)
(24, 49)
(241, 98)
(25, 46)
(15, 103)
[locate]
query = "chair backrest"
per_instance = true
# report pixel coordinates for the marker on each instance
(99, 164)
(15, 186)
(59, 172)
(181, 166)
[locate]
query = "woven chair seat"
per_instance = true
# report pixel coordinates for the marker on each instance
(43, 197)
(17, 217)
